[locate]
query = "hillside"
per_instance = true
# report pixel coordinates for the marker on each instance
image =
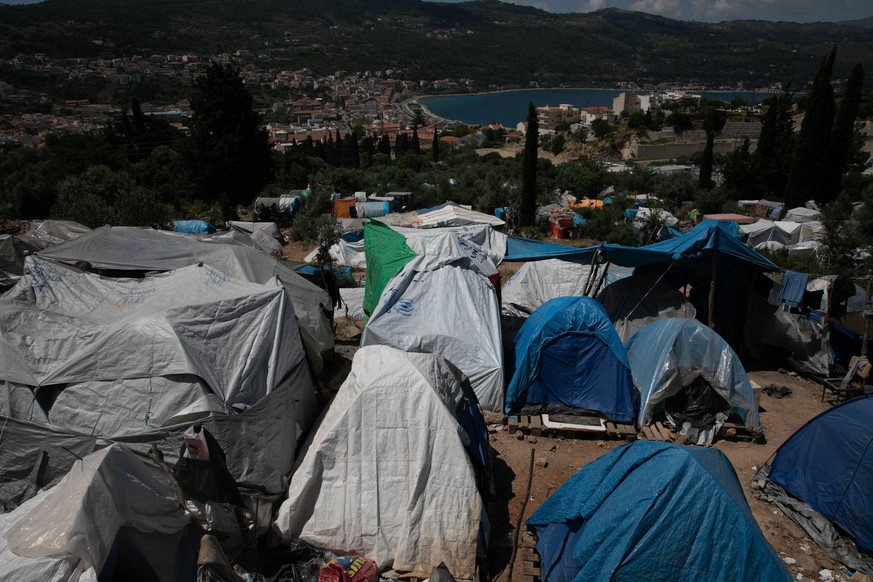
(487, 41)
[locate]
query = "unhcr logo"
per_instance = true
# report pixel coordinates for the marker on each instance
(405, 307)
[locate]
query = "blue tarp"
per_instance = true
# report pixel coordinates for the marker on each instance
(653, 511)
(671, 353)
(523, 249)
(793, 288)
(194, 227)
(828, 463)
(697, 246)
(568, 353)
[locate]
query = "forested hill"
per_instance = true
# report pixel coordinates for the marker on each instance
(486, 40)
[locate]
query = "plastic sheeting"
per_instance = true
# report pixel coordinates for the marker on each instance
(136, 249)
(688, 520)
(57, 231)
(258, 240)
(349, 254)
(386, 474)
(539, 281)
(836, 444)
(446, 308)
(802, 339)
(76, 522)
(697, 246)
(568, 353)
(62, 325)
(634, 302)
(669, 354)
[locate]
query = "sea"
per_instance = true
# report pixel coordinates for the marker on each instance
(509, 108)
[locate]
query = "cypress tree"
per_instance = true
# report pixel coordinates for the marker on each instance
(415, 145)
(806, 179)
(529, 169)
(705, 178)
(844, 129)
(772, 158)
(435, 148)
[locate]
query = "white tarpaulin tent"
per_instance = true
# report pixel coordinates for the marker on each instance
(348, 254)
(122, 248)
(443, 304)
(70, 529)
(539, 281)
(386, 474)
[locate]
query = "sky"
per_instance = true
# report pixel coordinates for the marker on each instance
(702, 10)
(718, 10)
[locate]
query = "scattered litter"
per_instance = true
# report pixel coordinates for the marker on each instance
(532, 439)
(495, 427)
(825, 575)
(777, 391)
(553, 448)
(789, 560)
(542, 462)
(519, 436)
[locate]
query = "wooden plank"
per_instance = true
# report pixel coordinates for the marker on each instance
(536, 425)
(647, 432)
(528, 541)
(529, 578)
(529, 569)
(626, 429)
(661, 431)
(513, 424)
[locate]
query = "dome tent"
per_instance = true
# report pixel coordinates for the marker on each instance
(689, 520)
(836, 444)
(573, 340)
(387, 474)
(671, 355)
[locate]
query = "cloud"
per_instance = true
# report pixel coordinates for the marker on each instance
(797, 10)
(591, 5)
(669, 8)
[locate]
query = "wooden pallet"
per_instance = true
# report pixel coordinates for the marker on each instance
(656, 431)
(533, 425)
(530, 560)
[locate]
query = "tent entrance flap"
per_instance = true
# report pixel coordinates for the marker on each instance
(697, 404)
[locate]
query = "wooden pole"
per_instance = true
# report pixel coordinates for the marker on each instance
(712, 279)
(867, 314)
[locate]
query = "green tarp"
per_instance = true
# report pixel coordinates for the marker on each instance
(387, 254)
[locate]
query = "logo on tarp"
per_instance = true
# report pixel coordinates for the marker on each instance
(405, 307)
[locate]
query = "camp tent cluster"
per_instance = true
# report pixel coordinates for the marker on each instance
(120, 344)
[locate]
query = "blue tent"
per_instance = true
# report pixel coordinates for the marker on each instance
(653, 511)
(828, 463)
(194, 227)
(567, 353)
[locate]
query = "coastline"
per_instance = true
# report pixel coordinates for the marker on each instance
(421, 100)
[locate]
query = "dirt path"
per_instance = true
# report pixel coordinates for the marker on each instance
(558, 459)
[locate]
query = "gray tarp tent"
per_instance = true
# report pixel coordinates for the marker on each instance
(92, 359)
(122, 248)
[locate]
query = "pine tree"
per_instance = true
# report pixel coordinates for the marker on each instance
(529, 169)
(844, 129)
(806, 179)
(231, 152)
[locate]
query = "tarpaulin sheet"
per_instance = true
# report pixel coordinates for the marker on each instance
(669, 354)
(386, 474)
(79, 518)
(653, 511)
(828, 463)
(126, 248)
(632, 303)
(62, 325)
(538, 281)
(387, 254)
(450, 310)
(567, 352)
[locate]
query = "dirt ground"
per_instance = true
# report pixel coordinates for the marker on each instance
(565, 457)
